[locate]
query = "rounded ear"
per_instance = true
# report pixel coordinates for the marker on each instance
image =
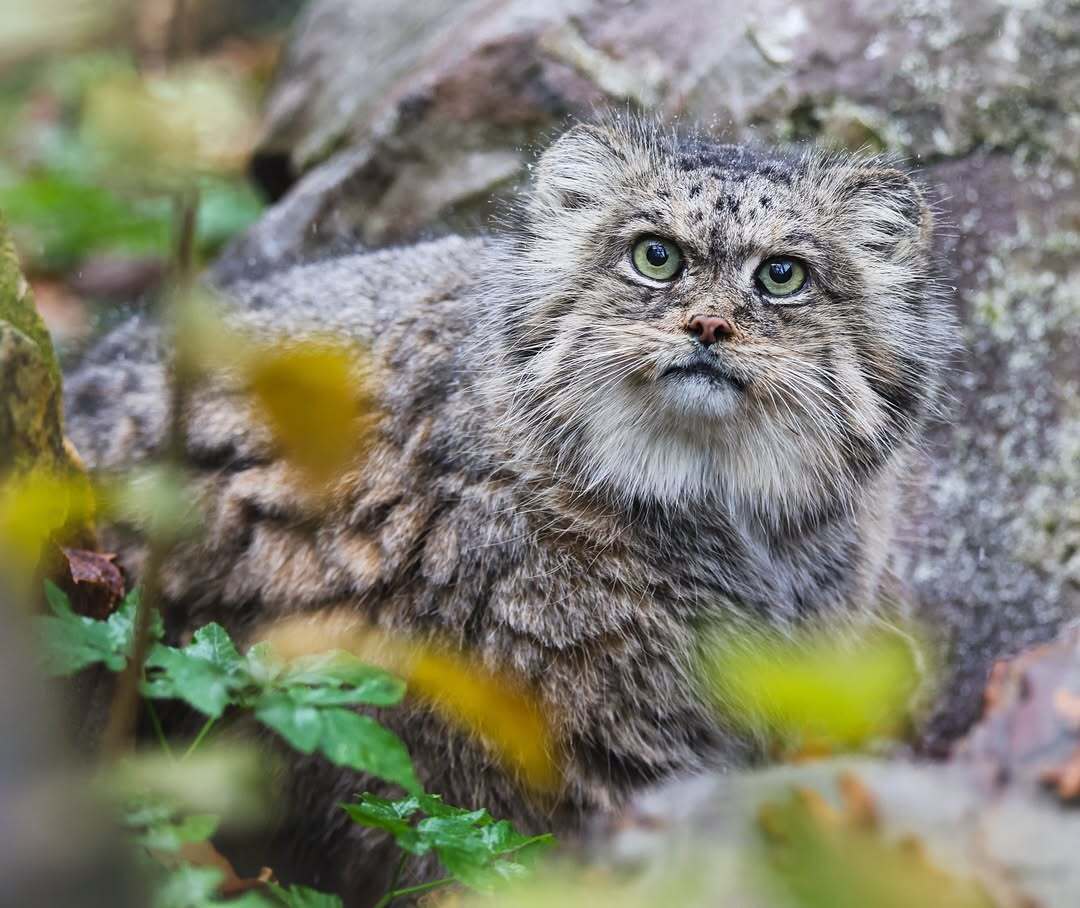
(577, 171)
(886, 206)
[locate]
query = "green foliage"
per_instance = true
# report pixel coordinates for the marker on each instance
(67, 196)
(472, 846)
(305, 702)
(156, 826)
(70, 642)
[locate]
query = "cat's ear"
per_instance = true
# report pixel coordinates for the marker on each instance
(884, 206)
(580, 169)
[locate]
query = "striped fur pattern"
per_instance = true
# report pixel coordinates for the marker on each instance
(541, 494)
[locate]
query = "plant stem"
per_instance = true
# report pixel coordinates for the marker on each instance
(159, 731)
(389, 894)
(120, 730)
(207, 725)
(412, 890)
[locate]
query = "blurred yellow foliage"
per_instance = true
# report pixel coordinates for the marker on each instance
(818, 691)
(169, 127)
(315, 395)
(496, 706)
(317, 402)
(817, 856)
(34, 506)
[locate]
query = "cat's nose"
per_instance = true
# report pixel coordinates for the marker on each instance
(710, 328)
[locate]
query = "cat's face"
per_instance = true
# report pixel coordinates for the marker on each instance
(696, 319)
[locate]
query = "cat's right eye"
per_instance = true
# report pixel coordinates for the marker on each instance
(657, 258)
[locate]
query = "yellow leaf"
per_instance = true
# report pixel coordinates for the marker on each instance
(817, 691)
(496, 706)
(317, 401)
(34, 506)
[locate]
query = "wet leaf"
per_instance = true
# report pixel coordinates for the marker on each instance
(316, 400)
(815, 691)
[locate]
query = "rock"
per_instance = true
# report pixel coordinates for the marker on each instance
(30, 403)
(987, 828)
(381, 126)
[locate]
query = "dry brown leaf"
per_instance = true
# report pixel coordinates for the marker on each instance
(94, 584)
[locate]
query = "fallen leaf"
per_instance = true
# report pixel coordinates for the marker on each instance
(821, 856)
(94, 584)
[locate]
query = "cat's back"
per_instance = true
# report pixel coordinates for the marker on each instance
(411, 306)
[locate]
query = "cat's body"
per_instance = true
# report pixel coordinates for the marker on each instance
(573, 476)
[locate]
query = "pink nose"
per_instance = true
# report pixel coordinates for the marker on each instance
(709, 328)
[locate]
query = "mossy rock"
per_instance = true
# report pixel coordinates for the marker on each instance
(31, 427)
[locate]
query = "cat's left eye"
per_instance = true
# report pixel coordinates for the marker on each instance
(782, 276)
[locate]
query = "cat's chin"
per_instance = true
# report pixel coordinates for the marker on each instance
(700, 394)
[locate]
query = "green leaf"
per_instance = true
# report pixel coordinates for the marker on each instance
(364, 683)
(302, 897)
(205, 674)
(360, 742)
(170, 836)
(393, 816)
(70, 642)
(68, 218)
(300, 725)
(341, 735)
(469, 843)
(188, 887)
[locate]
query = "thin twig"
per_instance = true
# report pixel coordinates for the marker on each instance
(159, 730)
(412, 890)
(120, 730)
(207, 725)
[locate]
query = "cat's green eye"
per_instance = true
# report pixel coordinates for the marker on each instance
(656, 258)
(781, 276)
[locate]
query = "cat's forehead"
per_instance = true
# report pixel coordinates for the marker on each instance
(730, 198)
